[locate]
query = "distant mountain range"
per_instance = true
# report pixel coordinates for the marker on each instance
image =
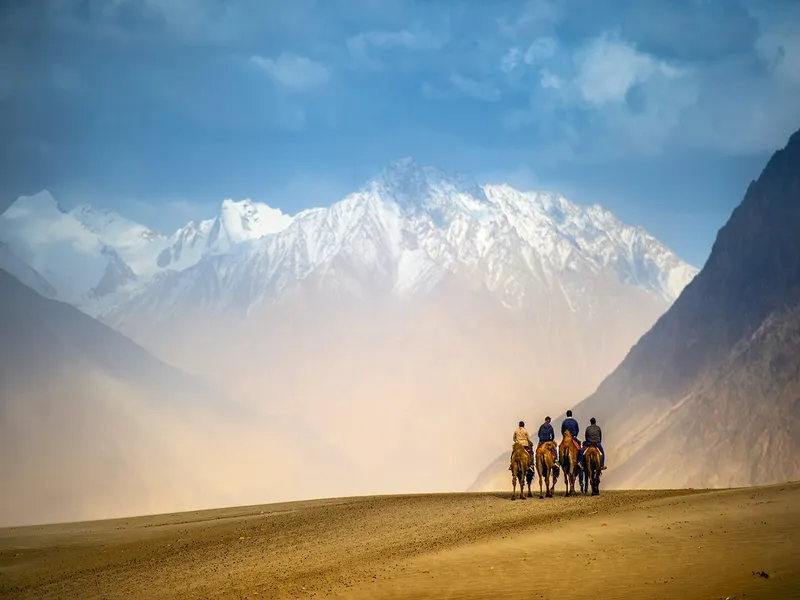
(710, 395)
(421, 307)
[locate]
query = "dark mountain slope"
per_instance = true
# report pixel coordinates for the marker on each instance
(717, 376)
(93, 426)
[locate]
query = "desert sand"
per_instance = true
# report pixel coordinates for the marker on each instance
(741, 543)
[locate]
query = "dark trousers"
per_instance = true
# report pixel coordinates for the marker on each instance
(599, 446)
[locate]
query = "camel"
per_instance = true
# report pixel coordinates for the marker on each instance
(520, 464)
(568, 457)
(591, 458)
(545, 466)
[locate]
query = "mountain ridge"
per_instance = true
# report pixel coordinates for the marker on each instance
(719, 371)
(135, 254)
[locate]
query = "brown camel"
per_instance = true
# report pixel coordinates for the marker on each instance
(520, 463)
(546, 466)
(591, 458)
(568, 457)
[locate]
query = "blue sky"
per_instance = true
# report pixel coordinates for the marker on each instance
(661, 111)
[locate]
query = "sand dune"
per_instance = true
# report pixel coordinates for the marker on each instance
(652, 544)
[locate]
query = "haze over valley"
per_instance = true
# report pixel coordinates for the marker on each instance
(420, 304)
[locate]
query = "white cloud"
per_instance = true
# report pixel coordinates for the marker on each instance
(295, 72)
(551, 80)
(534, 15)
(608, 67)
(361, 45)
(480, 90)
(537, 52)
(540, 49)
(511, 60)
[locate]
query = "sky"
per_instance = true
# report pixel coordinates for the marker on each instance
(159, 109)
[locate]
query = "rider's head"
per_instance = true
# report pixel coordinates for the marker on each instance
(569, 413)
(547, 419)
(522, 423)
(593, 421)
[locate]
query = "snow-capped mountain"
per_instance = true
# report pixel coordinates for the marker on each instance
(408, 229)
(236, 222)
(93, 256)
(77, 262)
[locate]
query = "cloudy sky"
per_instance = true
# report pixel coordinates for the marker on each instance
(661, 111)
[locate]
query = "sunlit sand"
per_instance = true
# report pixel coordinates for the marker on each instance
(686, 544)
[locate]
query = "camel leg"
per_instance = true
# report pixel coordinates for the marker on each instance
(541, 493)
(514, 483)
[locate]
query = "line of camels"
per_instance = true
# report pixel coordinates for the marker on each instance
(547, 468)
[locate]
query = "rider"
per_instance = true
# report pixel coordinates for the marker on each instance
(571, 425)
(521, 436)
(594, 437)
(546, 434)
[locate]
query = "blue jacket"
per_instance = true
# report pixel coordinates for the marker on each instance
(546, 433)
(571, 425)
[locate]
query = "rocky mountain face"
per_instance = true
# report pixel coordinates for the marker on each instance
(421, 307)
(710, 396)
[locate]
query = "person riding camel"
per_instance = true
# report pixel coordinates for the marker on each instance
(594, 437)
(546, 434)
(522, 437)
(571, 425)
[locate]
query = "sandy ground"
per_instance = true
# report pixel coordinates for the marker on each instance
(666, 544)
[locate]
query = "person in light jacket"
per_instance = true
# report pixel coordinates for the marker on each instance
(522, 437)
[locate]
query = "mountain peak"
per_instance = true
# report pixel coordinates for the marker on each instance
(415, 187)
(245, 220)
(41, 203)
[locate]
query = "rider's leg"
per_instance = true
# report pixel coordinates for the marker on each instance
(602, 456)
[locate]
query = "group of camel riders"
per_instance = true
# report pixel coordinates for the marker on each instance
(593, 437)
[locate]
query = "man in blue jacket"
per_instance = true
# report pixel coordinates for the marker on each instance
(571, 425)
(546, 434)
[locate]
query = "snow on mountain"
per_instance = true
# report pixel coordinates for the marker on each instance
(137, 245)
(236, 222)
(78, 264)
(402, 232)
(408, 228)
(92, 255)
(553, 225)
